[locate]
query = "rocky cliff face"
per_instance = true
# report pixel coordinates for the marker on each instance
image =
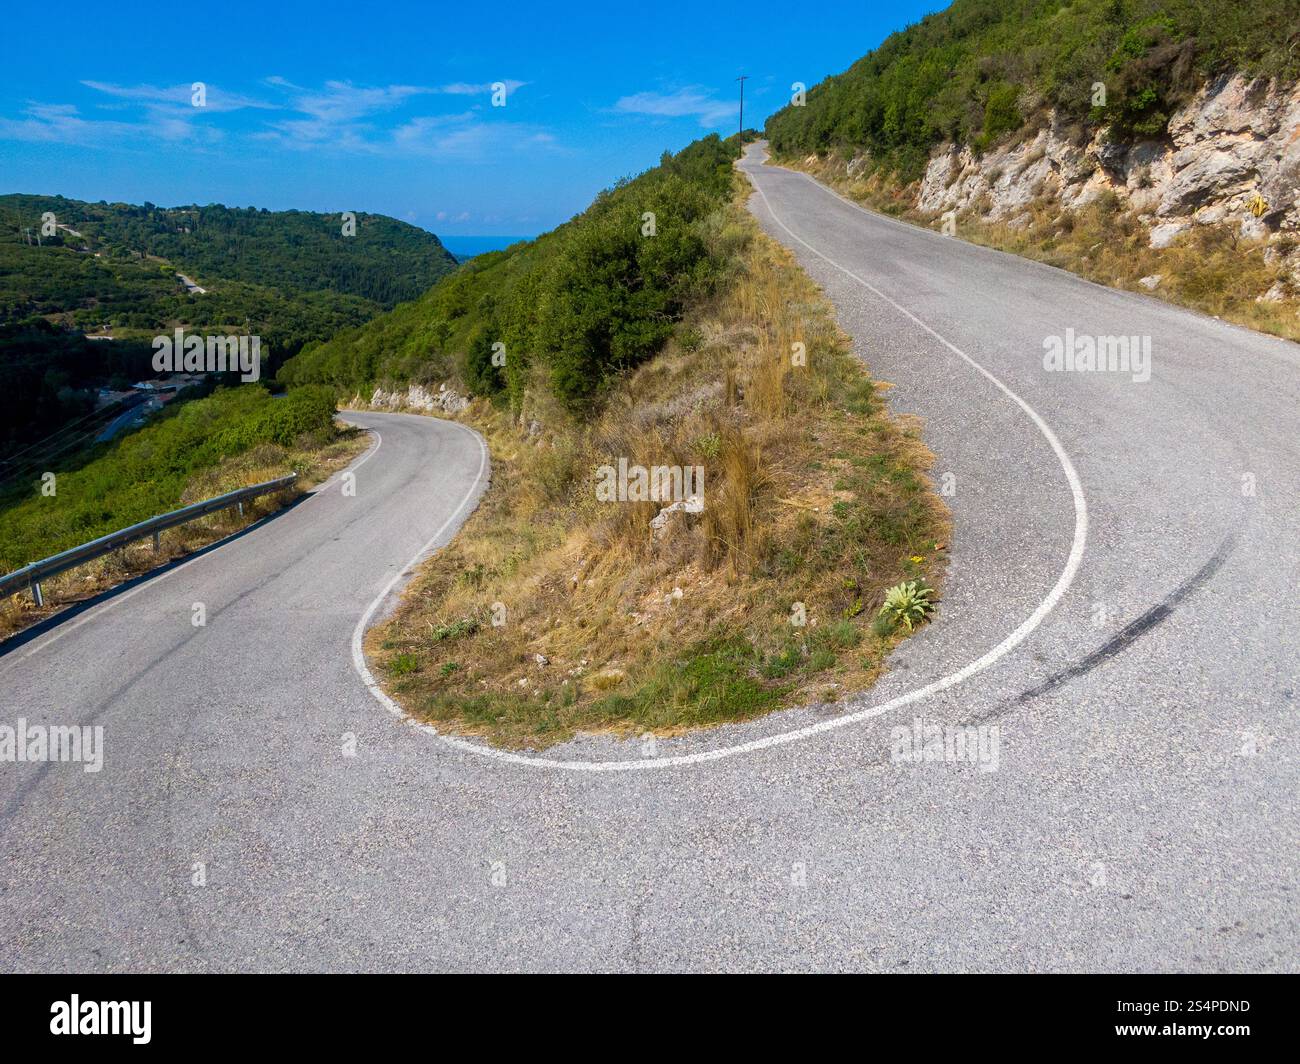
(1231, 155)
(417, 397)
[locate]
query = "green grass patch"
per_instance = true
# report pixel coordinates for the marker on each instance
(146, 473)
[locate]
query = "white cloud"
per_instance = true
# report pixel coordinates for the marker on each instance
(684, 103)
(179, 96)
(63, 124)
(159, 113)
(341, 101)
(465, 136)
(337, 116)
(461, 88)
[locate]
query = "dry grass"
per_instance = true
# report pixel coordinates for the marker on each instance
(315, 459)
(1209, 269)
(813, 495)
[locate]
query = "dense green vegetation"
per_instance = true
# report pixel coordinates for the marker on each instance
(142, 298)
(290, 277)
(574, 307)
(145, 473)
(253, 279)
(981, 69)
(48, 376)
(384, 262)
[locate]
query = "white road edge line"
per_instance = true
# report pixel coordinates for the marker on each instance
(154, 581)
(1012, 641)
(1279, 346)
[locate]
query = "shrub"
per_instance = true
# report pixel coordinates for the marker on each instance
(907, 604)
(465, 626)
(403, 664)
(1001, 114)
(589, 300)
(982, 68)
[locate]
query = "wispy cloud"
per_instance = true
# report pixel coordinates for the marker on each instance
(217, 100)
(466, 136)
(53, 123)
(156, 114)
(690, 102)
(462, 88)
(341, 101)
(337, 116)
(345, 117)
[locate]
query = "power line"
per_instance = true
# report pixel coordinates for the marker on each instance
(68, 427)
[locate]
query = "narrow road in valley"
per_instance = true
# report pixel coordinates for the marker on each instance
(1120, 606)
(138, 412)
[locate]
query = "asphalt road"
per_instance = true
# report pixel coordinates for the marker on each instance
(1121, 606)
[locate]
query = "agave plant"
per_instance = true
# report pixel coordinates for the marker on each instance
(908, 603)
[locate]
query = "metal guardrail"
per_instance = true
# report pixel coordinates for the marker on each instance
(30, 576)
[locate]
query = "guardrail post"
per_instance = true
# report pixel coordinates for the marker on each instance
(30, 576)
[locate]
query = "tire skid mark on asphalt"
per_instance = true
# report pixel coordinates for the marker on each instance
(1136, 629)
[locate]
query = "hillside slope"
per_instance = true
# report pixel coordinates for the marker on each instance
(981, 69)
(1146, 144)
(385, 261)
(115, 270)
(657, 334)
(596, 296)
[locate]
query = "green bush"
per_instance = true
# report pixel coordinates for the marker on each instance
(481, 377)
(957, 74)
(586, 301)
(403, 664)
(1001, 113)
(908, 604)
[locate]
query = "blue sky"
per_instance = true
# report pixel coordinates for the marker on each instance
(387, 107)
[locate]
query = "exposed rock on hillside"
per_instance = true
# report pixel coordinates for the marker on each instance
(1231, 155)
(445, 400)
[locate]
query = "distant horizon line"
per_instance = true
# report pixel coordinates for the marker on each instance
(470, 240)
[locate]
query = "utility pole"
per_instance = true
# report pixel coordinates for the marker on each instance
(742, 79)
